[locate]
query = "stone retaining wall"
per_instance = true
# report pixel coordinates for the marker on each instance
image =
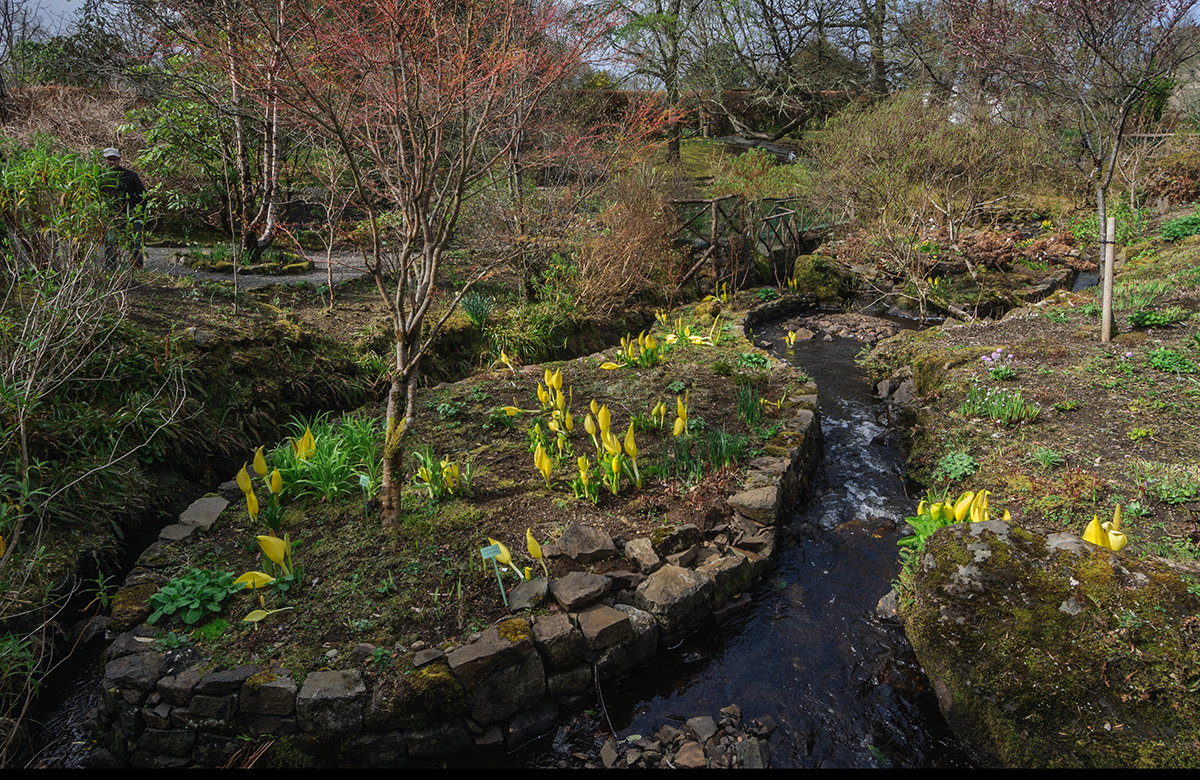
(506, 686)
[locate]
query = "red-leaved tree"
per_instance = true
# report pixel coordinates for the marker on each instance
(428, 101)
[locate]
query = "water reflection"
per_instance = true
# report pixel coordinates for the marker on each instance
(843, 686)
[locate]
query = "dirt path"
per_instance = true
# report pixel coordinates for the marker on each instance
(346, 265)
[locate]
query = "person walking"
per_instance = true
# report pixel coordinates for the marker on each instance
(128, 194)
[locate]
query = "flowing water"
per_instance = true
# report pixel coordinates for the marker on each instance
(843, 686)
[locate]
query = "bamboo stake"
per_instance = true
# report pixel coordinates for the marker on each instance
(1110, 242)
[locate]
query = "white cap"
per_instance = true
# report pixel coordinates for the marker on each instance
(111, 152)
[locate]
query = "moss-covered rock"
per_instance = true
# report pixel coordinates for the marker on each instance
(819, 276)
(1050, 652)
(415, 698)
(131, 606)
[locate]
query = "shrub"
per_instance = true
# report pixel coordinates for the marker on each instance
(633, 255)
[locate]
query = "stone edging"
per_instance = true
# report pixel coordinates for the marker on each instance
(504, 687)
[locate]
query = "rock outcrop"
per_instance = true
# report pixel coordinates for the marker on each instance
(1051, 652)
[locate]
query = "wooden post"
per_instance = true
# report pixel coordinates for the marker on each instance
(1110, 247)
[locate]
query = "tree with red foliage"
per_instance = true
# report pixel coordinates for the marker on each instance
(1081, 69)
(428, 101)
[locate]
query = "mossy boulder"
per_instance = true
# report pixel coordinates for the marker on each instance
(819, 275)
(1051, 652)
(131, 606)
(415, 698)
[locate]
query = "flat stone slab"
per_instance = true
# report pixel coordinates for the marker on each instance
(332, 701)
(472, 663)
(678, 598)
(528, 594)
(558, 640)
(578, 589)
(758, 504)
(203, 512)
(603, 627)
(640, 553)
(585, 544)
(176, 533)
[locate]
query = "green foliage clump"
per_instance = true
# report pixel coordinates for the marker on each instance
(755, 174)
(1129, 224)
(192, 596)
(1154, 318)
(956, 465)
(1167, 359)
(1175, 229)
(1006, 407)
(478, 307)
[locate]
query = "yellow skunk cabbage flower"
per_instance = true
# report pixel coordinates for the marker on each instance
(542, 461)
(589, 425)
(505, 360)
(681, 412)
(962, 506)
(243, 480)
(979, 507)
(548, 377)
(274, 548)
(1095, 534)
(1116, 539)
(790, 338)
(1007, 516)
(252, 504)
(603, 419)
(569, 422)
(511, 411)
(609, 365)
(306, 446)
(556, 380)
(630, 444)
(260, 463)
(254, 580)
(535, 551)
(276, 483)
(611, 445)
(505, 557)
(582, 462)
(595, 409)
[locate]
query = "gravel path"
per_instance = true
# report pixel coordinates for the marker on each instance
(346, 265)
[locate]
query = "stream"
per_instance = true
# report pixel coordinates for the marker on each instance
(843, 686)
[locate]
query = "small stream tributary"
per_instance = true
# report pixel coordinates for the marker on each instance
(843, 686)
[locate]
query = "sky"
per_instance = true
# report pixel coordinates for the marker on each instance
(57, 13)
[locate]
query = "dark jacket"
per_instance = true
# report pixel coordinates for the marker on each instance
(125, 189)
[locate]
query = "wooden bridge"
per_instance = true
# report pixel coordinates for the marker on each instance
(730, 231)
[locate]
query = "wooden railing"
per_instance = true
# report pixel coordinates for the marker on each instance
(771, 224)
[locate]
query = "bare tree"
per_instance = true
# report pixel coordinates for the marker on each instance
(1077, 68)
(18, 22)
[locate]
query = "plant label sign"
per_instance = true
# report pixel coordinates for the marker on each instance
(490, 553)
